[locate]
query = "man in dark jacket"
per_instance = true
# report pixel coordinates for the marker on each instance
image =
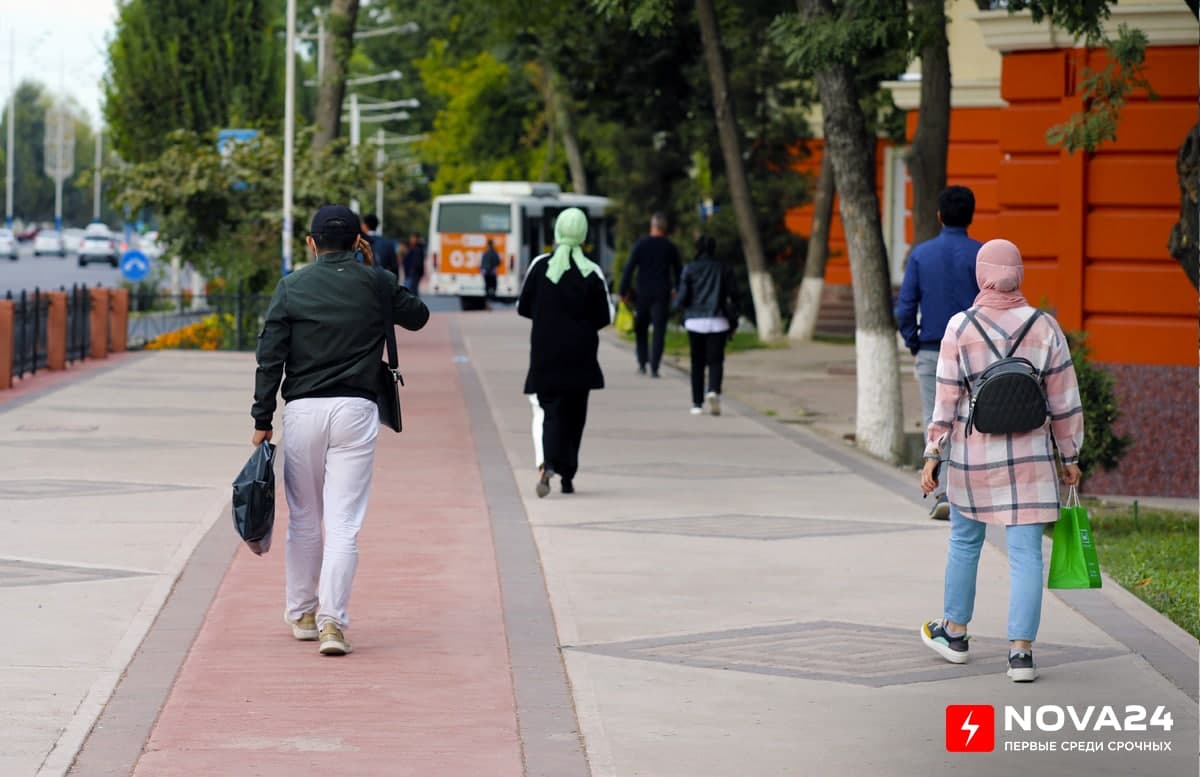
(656, 262)
(938, 283)
(323, 338)
(488, 264)
(383, 248)
(414, 264)
(566, 296)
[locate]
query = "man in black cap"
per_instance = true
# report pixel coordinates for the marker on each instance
(325, 330)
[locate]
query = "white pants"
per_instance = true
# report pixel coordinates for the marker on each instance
(329, 456)
(539, 417)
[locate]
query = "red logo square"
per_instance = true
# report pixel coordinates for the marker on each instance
(970, 728)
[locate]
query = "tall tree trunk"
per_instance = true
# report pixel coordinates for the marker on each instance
(339, 43)
(808, 296)
(879, 414)
(566, 128)
(762, 287)
(926, 157)
(1183, 243)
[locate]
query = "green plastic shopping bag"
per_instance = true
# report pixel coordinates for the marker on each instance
(1073, 562)
(624, 322)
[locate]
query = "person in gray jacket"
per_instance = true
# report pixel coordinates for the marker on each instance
(323, 339)
(708, 297)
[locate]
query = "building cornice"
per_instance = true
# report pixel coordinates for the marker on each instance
(1165, 24)
(963, 94)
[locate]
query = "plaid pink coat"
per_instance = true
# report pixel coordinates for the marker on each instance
(1005, 478)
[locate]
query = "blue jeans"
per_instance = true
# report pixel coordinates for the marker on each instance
(1024, 573)
(926, 370)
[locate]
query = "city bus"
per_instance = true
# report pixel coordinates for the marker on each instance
(518, 217)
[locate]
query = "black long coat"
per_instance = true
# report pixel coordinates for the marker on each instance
(567, 318)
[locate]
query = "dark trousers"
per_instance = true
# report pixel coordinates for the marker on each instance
(651, 311)
(708, 350)
(489, 284)
(562, 429)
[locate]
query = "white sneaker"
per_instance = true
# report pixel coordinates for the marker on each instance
(714, 403)
(697, 410)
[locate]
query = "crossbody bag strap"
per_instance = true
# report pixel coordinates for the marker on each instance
(382, 286)
(1024, 330)
(987, 339)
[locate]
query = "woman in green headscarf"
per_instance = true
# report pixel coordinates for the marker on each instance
(567, 297)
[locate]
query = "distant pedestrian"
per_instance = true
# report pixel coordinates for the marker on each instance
(708, 297)
(655, 261)
(566, 296)
(938, 282)
(414, 264)
(488, 264)
(323, 338)
(383, 248)
(1005, 479)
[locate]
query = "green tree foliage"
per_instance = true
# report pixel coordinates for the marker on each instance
(222, 213)
(1104, 94)
(193, 65)
(491, 124)
(33, 190)
(1102, 446)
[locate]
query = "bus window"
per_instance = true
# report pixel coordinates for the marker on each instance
(465, 217)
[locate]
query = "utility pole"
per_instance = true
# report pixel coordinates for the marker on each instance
(99, 163)
(355, 130)
(320, 48)
(379, 161)
(289, 137)
(12, 123)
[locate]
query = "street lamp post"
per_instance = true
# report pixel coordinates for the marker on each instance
(12, 123)
(355, 135)
(99, 163)
(289, 137)
(379, 161)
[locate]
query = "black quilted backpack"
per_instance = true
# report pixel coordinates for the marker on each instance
(1008, 397)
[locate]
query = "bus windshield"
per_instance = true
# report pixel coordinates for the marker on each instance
(473, 217)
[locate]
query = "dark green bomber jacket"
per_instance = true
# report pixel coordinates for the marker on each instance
(324, 330)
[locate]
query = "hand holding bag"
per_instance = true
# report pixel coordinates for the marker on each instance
(387, 392)
(1073, 562)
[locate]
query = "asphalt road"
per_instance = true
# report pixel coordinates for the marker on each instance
(51, 272)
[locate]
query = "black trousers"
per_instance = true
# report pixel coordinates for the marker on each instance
(489, 284)
(562, 429)
(651, 311)
(708, 350)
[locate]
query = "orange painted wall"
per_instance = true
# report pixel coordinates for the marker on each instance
(1093, 228)
(799, 220)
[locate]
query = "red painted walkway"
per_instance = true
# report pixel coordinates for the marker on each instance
(427, 690)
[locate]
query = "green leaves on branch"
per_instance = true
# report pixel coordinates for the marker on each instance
(1104, 94)
(1082, 18)
(648, 17)
(857, 33)
(1102, 446)
(224, 214)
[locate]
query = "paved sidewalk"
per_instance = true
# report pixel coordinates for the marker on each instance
(724, 597)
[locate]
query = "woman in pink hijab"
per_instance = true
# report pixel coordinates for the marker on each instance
(1006, 479)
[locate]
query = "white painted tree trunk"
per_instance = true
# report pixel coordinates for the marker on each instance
(808, 309)
(879, 418)
(766, 306)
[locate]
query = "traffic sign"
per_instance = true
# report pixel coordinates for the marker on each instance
(134, 265)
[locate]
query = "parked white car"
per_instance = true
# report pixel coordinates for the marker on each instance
(98, 247)
(73, 239)
(8, 244)
(49, 242)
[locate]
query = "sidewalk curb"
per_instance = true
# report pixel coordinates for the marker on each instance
(47, 382)
(1131, 622)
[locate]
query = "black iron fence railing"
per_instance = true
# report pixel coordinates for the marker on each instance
(30, 318)
(79, 308)
(223, 321)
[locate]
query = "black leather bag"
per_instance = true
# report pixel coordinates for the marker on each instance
(1008, 397)
(387, 391)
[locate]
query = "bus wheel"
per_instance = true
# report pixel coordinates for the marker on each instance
(473, 303)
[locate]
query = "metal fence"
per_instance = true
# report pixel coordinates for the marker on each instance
(79, 328)
(228, 321)
(30, 315)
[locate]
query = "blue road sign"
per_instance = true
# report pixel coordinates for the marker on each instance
(134, 265)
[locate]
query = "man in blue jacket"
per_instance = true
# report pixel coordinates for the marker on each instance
(938, 282)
